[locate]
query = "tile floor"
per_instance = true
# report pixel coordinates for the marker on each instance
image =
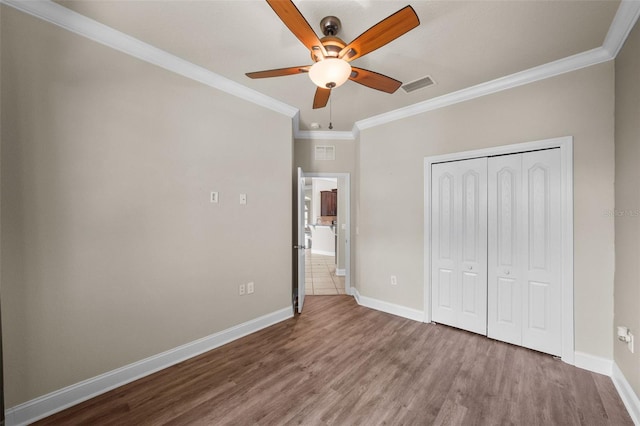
(321, 278)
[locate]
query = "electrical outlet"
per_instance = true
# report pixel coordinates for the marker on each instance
(250, 287)
(630, 342)
(242, 289)
(214, 196)
(394, 280)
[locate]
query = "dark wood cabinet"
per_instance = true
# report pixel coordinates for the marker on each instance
(329, 203)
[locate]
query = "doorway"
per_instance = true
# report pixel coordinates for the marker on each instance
(325, 224)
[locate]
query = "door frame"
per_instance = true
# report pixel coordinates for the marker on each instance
(347, 257)
(566, 192)
(300, 258)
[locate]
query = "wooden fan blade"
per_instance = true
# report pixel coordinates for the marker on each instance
(374, 80)
(278, 72)
(321, 98)
(298, 25)
(380, 34)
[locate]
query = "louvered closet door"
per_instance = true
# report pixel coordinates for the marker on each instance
(524, 255)
(459, 241)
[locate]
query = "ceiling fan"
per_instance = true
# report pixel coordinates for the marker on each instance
(331, 55)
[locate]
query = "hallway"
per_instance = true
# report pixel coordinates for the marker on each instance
(320, 275)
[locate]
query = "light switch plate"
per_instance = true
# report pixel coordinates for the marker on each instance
(214, 196)
(243, 198)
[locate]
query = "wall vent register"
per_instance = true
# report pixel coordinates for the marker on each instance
(325, 152)
(418, 84)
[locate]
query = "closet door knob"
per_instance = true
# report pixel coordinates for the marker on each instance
(506, 272)
(470, 267)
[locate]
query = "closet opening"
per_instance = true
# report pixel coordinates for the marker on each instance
(499, 243)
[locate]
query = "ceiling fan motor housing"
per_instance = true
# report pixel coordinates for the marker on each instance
(333, 46)
(330, 26)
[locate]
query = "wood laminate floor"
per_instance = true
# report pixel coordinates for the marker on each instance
(340, 363)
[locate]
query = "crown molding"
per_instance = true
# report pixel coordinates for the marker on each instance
(622, 24)
(324, 135)
(626, 17)
(103, 34)
(355, 131)
(551, 69)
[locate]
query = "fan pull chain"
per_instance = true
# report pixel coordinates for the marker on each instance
(330, 113)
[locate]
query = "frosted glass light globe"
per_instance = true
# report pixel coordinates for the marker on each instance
(329, 73)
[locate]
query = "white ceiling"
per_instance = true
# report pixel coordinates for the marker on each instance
(458, 43)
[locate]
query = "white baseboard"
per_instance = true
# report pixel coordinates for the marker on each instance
(593, 363)
(628, 396)
(341, 272)
(611, 369)
(323, 252)
(53, 402)
(390, 308)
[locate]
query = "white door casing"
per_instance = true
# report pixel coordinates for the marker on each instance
(459, 232)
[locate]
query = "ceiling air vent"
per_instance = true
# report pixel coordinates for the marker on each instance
(418, 84)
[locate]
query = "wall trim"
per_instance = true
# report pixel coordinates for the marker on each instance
(56, 401)
(624, 20)
(390, 308)
(551, 69)
(322, 252)
(324, 135)
(566, 193)
(86, 27)
(593, 363)
(626, 17)
(628, 396)
(622, 24)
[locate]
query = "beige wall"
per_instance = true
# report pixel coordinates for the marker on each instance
(111, 251)
(390, 240)
(627, 220)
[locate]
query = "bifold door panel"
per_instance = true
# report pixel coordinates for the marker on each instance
(542, 293)
(506, 234)
(459, 236)
(496, 247)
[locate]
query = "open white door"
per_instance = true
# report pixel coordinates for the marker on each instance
(301, 240)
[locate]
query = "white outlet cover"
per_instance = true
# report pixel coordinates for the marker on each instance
(243, 198)
(250, 288)
(214, 196)
(242, 289)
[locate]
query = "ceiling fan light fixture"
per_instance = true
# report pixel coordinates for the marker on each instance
(330, 72)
